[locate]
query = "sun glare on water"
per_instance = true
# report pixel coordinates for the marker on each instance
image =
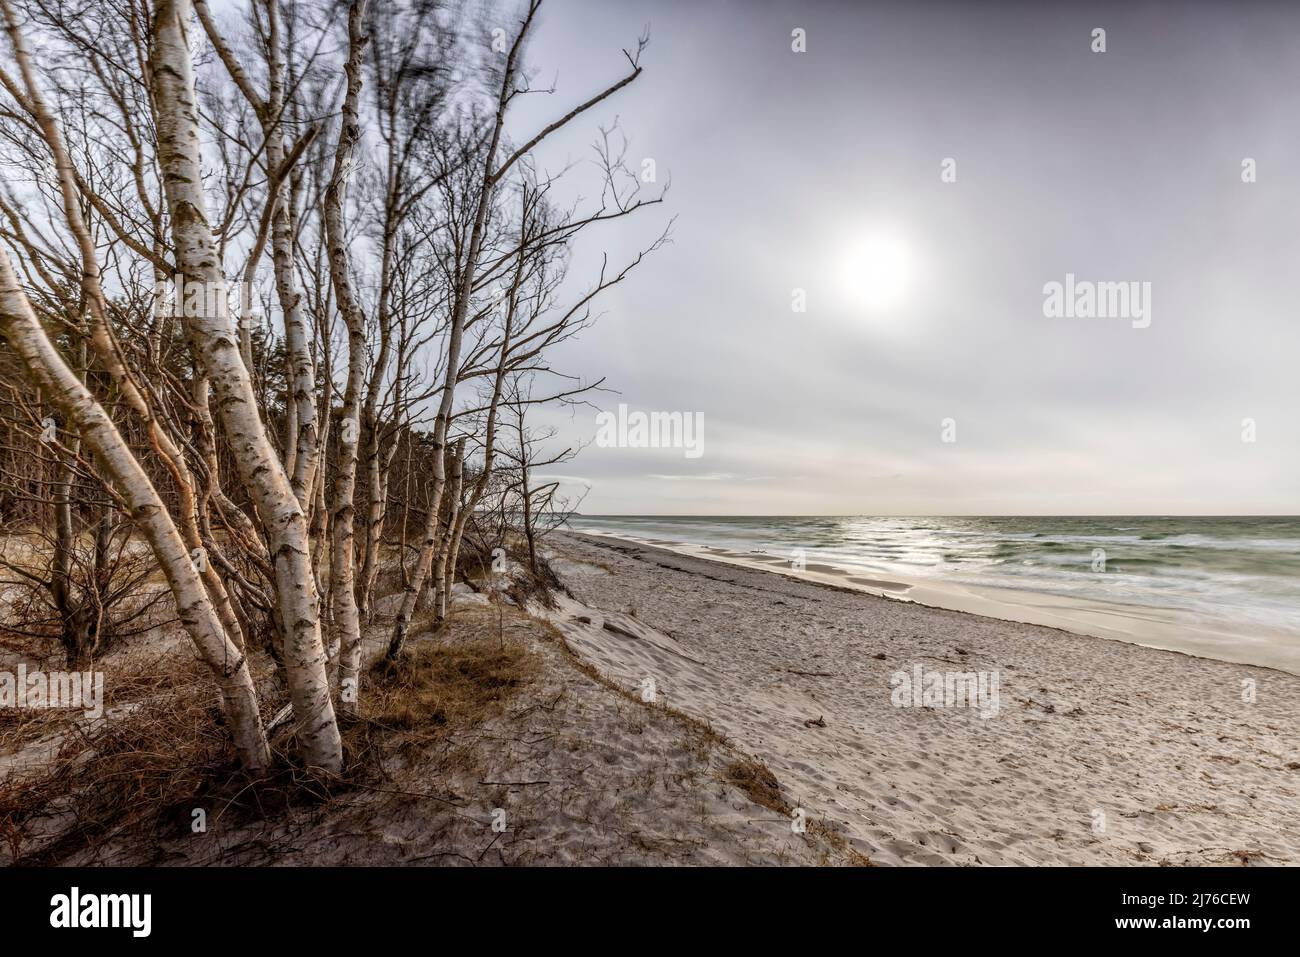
(876, 270)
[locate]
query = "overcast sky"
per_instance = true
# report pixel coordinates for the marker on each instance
(821, 170)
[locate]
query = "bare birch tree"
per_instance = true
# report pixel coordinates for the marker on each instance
(490, 173)
(217, 345)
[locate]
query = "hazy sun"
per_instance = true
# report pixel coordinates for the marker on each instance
(876, 269)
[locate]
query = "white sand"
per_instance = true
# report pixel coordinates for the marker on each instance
(1101, 752)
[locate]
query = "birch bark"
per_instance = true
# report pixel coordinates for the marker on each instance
(216, 344)
(20, 327)
(343, 567)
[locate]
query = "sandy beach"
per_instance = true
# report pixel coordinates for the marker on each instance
(1083, 750)
(1230, 601)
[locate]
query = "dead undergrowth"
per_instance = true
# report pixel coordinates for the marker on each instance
(162, 750)
(489, 710)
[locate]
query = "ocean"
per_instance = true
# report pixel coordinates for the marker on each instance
(1237, 576)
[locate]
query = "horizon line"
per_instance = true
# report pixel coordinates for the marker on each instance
(937, 515)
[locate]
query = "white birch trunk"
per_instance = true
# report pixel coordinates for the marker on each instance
(441, 570)
(100, 337)
(217, 345)
(378, 469)
(19, 325)
(297, 332)
(347, 621)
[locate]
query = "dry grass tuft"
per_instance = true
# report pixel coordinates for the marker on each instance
(21, 726)
(849, 856)
(438, 685)
(758, 783)
(428, 702)
(156, 752)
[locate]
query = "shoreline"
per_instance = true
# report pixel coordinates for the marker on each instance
(1140, 625)
(1097, 752)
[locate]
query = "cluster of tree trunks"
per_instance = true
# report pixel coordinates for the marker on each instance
(273, 454)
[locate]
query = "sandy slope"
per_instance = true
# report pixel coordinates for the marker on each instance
(583, 773)
(1100, 753)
